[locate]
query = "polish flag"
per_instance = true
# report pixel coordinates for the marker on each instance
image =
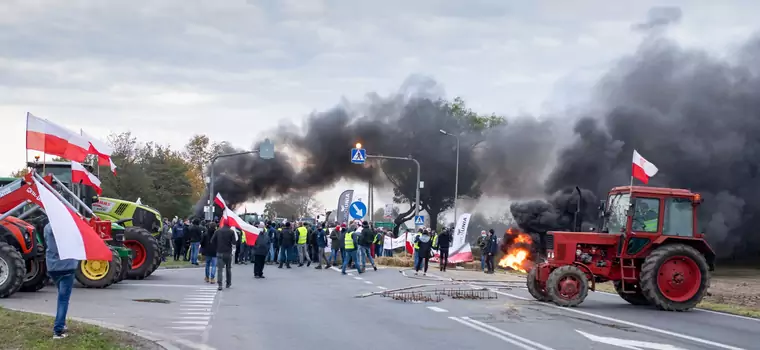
(50, 138)
(220, 201)
(79, 174)
(75, 238)
(100, 149)
(233, 220)
(409, 243)
(642, 169)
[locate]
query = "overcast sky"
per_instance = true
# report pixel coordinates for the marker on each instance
(167, 69)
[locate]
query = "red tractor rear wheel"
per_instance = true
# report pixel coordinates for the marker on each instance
(636, 298)
(675, 277)
(537, 288)
(567, 286)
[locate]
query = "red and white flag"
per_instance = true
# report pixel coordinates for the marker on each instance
(233, 220)
(642, 169)
(50, 138)
(101, 150)
(79, 174)
(75, 238)
(220, 201)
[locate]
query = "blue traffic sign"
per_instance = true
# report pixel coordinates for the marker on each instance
(419, 220)
(358, 155)
(357, 210)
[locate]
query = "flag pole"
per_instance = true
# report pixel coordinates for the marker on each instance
(26, 143)
(43, 163)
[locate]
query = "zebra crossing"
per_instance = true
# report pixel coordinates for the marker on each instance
(195, 311)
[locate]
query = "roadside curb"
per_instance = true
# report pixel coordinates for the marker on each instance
(162, 341)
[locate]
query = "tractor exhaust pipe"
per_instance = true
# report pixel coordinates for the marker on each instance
(577, 217)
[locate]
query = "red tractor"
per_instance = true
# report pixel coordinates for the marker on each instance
(649, 246)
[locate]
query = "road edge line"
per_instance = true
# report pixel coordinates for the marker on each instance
(491, 333)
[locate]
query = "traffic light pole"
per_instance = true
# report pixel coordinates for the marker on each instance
(417, 190)
(211, 176)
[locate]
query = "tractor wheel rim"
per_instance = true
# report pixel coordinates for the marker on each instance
(95, 270)
(569, 287)
(4, 271)
(679, 278)
(139, 253)
(33, 269)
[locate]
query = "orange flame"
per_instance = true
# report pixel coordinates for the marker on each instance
(516, 256)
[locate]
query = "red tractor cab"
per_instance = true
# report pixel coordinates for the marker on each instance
(648, 245)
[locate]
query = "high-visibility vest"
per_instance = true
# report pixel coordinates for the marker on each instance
(302, 232)
(435, 241)
(348, 241)
(417, 243)
(650, 225)
(242, 238)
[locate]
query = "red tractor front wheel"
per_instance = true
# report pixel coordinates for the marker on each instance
(675, 277)
(567, 286)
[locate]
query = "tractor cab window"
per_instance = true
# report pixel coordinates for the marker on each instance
(616, 207)
(646, 214)
(679, 217)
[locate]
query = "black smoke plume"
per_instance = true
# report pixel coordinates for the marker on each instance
(695, 116)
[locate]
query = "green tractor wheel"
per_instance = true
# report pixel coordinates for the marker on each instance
(99, 273)
(146, 254)
(126, 266)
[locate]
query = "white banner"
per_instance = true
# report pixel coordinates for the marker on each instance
(393, 243)
(460, 250)
(388, 211)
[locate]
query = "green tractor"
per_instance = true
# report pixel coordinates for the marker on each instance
(142, 229)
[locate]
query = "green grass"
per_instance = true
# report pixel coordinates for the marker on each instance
(21, 330)
(171, 264)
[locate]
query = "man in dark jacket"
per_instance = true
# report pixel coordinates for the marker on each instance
(335, 245)
(274, 245)
(260, 251)
(492, 246)
(224, 238)
(365, 245)
(443, 242)
(194, 233)
(178, 236)
(287, 242)
(321, 240)
(208, 248)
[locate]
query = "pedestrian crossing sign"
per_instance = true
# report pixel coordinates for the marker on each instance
(419, 220)
(358, 155)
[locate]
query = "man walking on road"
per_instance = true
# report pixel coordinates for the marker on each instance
(260, 251)
(349, 245)
(303, 253)
(224, 238)
(287, 239)
(335, 245)
(365, 246)
(62, 274)
(443, 242)
(209, 253)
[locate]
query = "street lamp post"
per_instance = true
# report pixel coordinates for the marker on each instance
(265, 151)
(456, 178)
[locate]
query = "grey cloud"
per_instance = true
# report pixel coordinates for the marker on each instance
(659, 18)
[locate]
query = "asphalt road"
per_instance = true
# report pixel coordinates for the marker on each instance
(304, 308)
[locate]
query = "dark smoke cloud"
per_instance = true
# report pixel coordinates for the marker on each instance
(695, 116)
(557, 213)
(659, 18)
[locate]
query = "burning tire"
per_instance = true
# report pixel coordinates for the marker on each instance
(535, 287)
(36, 276)
(12, 270)
(636, 298)
(675, 277)
(567, 286)
(145, 257)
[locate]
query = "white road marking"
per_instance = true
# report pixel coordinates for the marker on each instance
(195, 318)
(368, 282)
(198, 302)
(437, 309)
(497, 335)
(164, 285)
(619, 321)
(350, 274)
(196, 313)
(358, 278)
(628, 344)
(199, 298)
(191, 322)
(381, 287)
(195, 308)
(508, 334)
(189, 328)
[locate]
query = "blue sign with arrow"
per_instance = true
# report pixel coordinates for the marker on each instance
(357, 210)
(419, 220)
(358, 155)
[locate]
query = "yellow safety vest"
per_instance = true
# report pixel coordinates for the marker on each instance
(242, 238)
(435, 241)
(417, 244)
(348, 241)
(302, 232)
